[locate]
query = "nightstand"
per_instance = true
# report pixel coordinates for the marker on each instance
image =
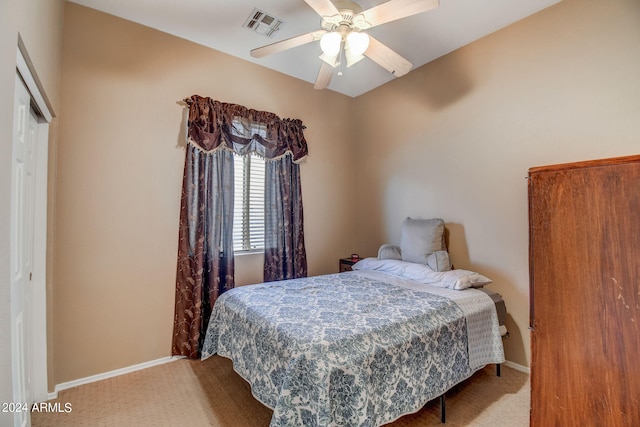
(346, 263)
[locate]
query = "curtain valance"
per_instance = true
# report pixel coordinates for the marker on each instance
(213, 125)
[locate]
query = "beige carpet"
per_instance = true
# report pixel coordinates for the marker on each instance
(210, 393)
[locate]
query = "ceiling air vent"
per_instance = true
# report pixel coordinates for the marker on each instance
(263, 23)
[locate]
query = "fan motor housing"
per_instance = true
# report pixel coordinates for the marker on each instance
(348, 5)
(348, 10)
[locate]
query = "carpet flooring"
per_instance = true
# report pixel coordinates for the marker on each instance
(210, 393)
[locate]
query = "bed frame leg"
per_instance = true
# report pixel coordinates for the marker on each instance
(498, 369)
(442, 409)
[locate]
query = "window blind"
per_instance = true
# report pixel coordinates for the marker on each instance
(248, 206)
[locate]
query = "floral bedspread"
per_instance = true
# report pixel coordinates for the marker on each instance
(341, 349)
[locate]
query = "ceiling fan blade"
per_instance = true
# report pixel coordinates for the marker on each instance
(286, 44)
(324, 76)
(396, 9)
(387, 58)
(323, 7)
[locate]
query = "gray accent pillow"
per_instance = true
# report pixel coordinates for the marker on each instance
(439, 261)
(389, 251)
(420, 238)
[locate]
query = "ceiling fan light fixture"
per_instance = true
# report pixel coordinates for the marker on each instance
(342, 23)
(357, 43)
(330, 43)
(331, 60)
(351, 58)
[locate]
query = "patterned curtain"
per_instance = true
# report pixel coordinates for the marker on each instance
(285, 256)
(205, 267)
(205, 245)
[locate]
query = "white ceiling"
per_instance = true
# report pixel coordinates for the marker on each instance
(419, 38)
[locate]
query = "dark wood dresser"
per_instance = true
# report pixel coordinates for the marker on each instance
(584, 262)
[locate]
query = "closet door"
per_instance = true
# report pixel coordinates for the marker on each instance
(584, 226)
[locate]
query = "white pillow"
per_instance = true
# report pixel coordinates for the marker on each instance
(452, 279)
(390, 266)
(395, 267)
(456, 279)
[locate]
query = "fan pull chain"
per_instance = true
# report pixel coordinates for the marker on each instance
(340, 55)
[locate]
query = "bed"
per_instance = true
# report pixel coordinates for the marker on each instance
(360, 348)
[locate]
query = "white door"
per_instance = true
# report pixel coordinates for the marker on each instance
(25, 137)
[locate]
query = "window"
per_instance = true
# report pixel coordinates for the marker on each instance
(248, 204)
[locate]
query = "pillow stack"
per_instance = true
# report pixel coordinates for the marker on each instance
(423, 242)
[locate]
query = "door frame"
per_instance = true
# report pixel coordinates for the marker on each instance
(38, 332)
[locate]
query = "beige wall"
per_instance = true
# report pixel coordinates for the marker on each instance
(39, 23)
(120, 164)
(452, 139)
(456, 137)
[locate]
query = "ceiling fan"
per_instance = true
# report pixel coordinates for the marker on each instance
(343, 23)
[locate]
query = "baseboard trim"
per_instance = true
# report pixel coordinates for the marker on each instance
(111, 374)
(518, 367)
(156, 362)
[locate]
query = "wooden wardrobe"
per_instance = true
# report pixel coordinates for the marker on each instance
(584, 262)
